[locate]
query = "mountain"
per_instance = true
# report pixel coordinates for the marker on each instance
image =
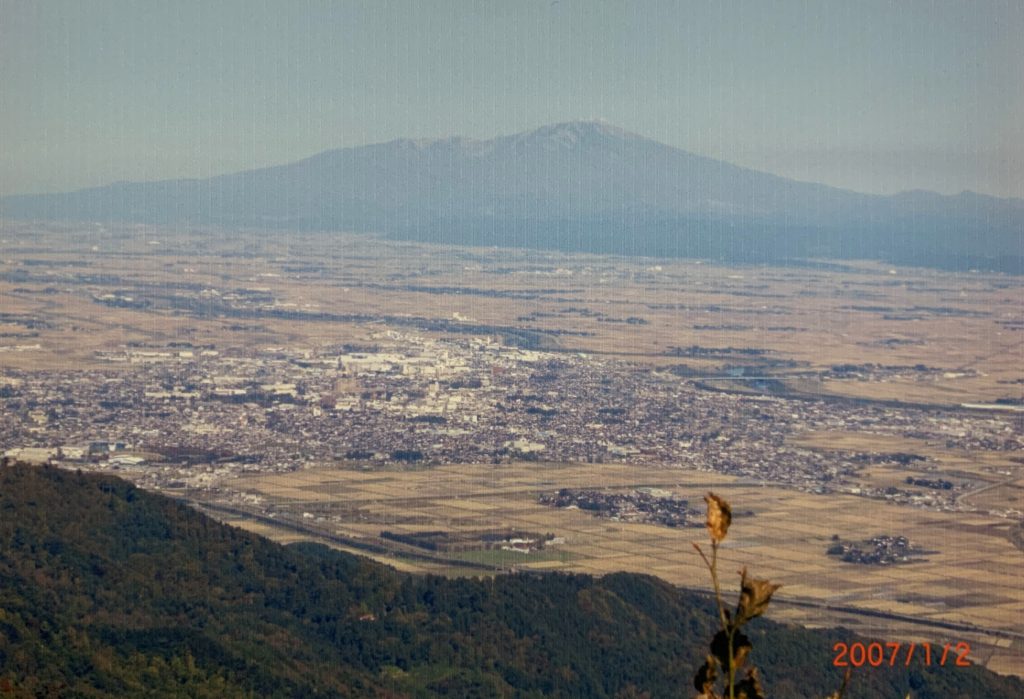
(581, 186)
(107, 590)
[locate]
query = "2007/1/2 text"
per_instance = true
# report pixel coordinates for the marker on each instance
(877, 654)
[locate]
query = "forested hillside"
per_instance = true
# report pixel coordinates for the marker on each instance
(106, 590)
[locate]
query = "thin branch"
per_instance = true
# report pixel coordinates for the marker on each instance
(713, 567)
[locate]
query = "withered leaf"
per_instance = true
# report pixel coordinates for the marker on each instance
(719, 516)
(750, 687)
(704, 680)
(741, 648)
(754, 597)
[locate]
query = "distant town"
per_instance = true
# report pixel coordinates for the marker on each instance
(881, 550)
(647, 505)
(182, 417)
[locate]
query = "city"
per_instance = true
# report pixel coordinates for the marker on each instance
(186, 417)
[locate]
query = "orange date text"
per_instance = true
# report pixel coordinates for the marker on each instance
(892, 654)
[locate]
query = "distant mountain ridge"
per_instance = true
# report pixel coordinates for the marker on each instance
(577, 186)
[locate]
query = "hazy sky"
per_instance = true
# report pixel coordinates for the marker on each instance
(874, 96)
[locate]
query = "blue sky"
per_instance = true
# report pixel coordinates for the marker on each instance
(873, 96)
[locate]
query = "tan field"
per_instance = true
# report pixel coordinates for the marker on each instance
(911, 336)
(970, 576)
(967, 329)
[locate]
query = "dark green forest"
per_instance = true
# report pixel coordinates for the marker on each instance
(107, 590)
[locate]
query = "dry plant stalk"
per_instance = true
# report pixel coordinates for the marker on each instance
(730, 647)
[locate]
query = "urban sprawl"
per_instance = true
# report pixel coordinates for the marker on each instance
(184, 416)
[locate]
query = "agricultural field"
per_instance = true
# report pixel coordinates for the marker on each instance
(871, 384)
(965, 588)
(906, 335)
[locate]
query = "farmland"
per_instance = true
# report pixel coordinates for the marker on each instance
(339, 386)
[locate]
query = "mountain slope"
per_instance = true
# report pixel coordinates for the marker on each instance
(580, 186)
(111, 591)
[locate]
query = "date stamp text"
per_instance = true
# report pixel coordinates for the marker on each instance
(892, 654)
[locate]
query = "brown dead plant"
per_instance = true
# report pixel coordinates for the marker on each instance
(730, 648)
